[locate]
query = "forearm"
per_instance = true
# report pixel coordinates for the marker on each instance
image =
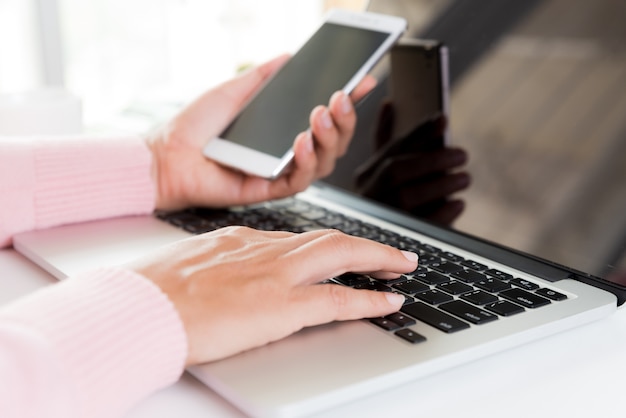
(92, 346)
(48, 182)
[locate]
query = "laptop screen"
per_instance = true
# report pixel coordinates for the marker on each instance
(538, 101)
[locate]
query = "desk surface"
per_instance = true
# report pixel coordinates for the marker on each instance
(577, 373)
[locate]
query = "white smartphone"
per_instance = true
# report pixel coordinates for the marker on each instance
(338, 55)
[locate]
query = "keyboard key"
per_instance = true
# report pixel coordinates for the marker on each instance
(524, 284)
(199, 227)
(434, 297)
(297, 206)
(387, 237)
(434, 317)
(451, 256)
(365, 231)
(468, 312)
(411, 287)
(445, 267)
(350, 227)
(376, 286)
(385, 324)
(331, 221)
(410, 336)
(409, 244)
(499, 274)
(504, 308)
(431, 277)
(551, 294)
(455, 288)
(430, 248)
(524, 298)
(401, 319)
(419, 269)
(478, 297)
(469, 276)
(474, 265)
(307, 228)
(295, 222)
(407, 299)
(181, 218)
(426, 259)
(351, 279)
(314, 214)
(492, 285)
(400, 279)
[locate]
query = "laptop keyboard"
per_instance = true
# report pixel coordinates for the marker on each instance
(446, 291)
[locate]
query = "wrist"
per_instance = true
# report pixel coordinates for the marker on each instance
(152, 142)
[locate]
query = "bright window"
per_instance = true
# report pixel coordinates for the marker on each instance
(136, 62)
(126, 56)
(19, 62)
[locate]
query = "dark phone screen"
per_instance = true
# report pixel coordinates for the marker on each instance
(325, 64)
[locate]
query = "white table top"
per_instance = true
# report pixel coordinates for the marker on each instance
(577, 373)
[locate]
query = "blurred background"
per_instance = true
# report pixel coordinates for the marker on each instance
(538, 93)
(118, 55)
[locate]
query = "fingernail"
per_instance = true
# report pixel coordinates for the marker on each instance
(308, 142)
(394, 299)
(411, 256)
(327, 121)
(346, 104)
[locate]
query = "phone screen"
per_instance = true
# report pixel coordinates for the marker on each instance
(325, 64)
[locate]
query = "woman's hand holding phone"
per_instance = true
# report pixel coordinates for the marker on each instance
(185, 177)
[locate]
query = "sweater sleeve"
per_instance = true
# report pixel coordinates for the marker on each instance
(52, 181)
(91, 346)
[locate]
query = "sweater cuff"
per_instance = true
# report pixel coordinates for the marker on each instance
(115, 333)
(84, 179)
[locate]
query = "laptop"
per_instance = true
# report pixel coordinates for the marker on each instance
(517, 265)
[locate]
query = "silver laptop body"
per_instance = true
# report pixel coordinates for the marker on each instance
(324, 366)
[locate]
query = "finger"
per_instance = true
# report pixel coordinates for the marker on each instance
(332, 128)
(363, 88)
(344, 117)
(324, 254)
(326, 140)
(303, 171)
(325, 303)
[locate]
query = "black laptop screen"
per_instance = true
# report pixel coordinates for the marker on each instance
(538, 101)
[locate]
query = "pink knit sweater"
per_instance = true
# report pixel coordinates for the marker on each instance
(93, 345)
